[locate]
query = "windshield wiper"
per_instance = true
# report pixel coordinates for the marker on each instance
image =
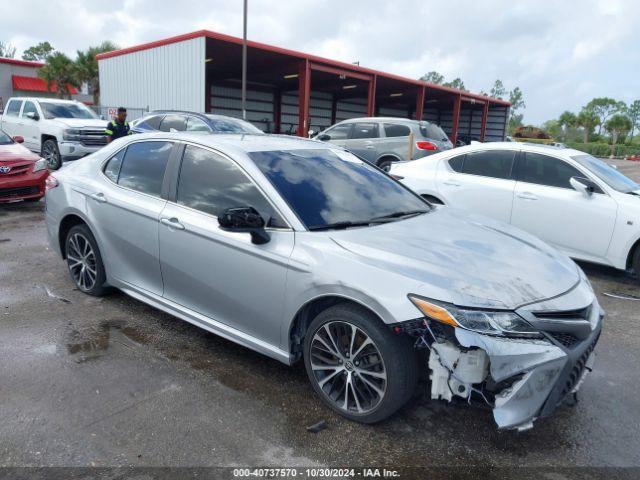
(338, 225)
(391, 216)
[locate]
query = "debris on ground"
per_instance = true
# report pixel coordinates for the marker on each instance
(317, 427)
(53, 295)
(625, 296)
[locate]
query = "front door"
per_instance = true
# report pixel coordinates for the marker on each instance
(364, 141)
(11, 121)
(546, 205)
(219, 274)
(30, 128)
(125, 206)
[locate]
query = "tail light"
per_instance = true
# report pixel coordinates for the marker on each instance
(423, 145)
(50, 182)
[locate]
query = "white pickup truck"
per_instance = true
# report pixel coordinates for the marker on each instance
(58, 130)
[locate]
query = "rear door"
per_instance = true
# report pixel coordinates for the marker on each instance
(480, 182)
(11, 122)
(396, 141)
(546, 205)
(364, 140)
(220, 274)
(126, 206)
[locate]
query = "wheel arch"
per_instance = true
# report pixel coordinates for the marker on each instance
(388, 156)
(309, 311)
(632, 251)
(47, 136)
(69, 221)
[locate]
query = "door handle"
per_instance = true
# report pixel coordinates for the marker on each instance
(369, 147)
(172, 223)
(527, 196)
(451, 183)
(99, 197)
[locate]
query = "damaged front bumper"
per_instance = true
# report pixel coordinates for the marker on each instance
(520, 379)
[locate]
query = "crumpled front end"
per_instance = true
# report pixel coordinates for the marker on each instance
(521, 379)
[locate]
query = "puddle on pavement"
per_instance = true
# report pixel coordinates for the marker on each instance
(92, 342)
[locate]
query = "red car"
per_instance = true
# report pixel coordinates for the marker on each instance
(22, 173)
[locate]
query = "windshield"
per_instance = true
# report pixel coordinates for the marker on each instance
(607, 173)
(5, 139)
(431, 130)
(66, 110)
(231, 125)
(330, 186)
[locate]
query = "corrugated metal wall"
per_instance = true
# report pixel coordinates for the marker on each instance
(166, 77)
(470, 122)
(227, 100)
(497, 118)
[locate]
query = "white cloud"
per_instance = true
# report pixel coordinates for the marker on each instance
(560, 54)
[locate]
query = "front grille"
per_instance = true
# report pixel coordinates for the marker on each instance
(93, 138)
(578, 314)
(566, 339)
(16, 170)
(578, 369)
(18, 192)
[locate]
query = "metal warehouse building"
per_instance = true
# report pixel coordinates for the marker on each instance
(287, 91)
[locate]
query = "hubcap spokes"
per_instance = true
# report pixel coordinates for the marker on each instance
(82, 261)
(348, 367)
(50, 155)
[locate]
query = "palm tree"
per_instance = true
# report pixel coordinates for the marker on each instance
(567, 120)
(87, 67)
(618, 125)
(59, 70)
(588, 120)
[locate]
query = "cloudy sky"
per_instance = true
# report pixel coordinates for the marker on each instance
(561, 54)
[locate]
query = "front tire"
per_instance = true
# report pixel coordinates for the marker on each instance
(84, 261)
(51, 154)
(385, 164)
(357, 366)
(635, 262)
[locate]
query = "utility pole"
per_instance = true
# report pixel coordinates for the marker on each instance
(244, 62)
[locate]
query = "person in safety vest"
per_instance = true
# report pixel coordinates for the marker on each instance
(118, 127)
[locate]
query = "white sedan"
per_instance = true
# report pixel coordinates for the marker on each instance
(576, 202)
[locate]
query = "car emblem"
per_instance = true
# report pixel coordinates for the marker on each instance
(4, 169)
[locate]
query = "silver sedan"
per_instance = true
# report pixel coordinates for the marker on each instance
(300, 250)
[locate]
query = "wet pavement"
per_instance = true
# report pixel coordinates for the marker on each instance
(112, 382)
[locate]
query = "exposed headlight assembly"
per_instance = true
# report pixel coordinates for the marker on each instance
(489, 322)
(39, 165)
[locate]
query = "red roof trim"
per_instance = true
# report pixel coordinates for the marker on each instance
(22, 63)
(36, 84)
(293, 53)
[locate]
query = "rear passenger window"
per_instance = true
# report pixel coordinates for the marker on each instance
(13, 108)
(175, 122)
(396, 130)
(491, 163)
(112, 168)
(545, 170)
(456, 163)
(364, 130)
(154, 122)
(143, 166)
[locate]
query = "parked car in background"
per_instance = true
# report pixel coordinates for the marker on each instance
(59, 130)
(302, 251)
(181, 121)
(574, 201)
(384, 140)
(22, 173)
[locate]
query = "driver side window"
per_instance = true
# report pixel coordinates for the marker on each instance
(339, 132)
(210, 183)
(545, 170)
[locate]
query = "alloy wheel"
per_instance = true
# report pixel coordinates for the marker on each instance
(82, 262)
(51, 155)
(348, 367)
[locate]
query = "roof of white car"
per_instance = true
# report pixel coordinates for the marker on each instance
(529, 147)
(45, 99)
(246, 142)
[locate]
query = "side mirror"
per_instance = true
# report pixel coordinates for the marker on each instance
(324, 137)
(18, 139)
(312, 133)
(583, 185)
(33, 116)
(244, 219)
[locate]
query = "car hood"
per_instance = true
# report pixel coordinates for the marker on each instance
(16, 153)
(82, 122)
(477, 261)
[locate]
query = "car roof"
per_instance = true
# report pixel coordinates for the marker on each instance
(254, 142)
(383, 119)
(45, 99)
(525, 146)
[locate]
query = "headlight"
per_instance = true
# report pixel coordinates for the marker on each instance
(39, 165)
(71, 134)
(504, 323)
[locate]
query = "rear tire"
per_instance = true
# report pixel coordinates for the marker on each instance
(51, 154)
(85, 262)
(635, 262)
(384, 164)
(357, 366)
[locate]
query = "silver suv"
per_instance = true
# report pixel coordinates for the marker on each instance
(302, 251)
(384, 140)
